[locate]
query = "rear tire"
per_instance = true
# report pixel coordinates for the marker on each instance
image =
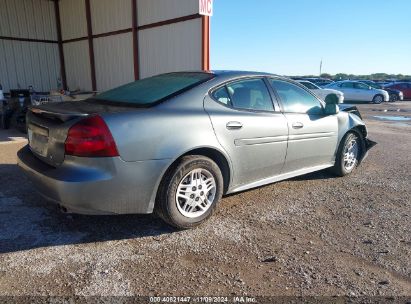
(189, 192)
(378, 99)
(348, 154)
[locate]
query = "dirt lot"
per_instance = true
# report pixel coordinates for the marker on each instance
(315, 235)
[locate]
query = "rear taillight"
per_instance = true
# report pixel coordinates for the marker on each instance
(90, 137)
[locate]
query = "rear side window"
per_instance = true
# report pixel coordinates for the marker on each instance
(151, 90)
(222, 96)
(295, 99)
(250, 94)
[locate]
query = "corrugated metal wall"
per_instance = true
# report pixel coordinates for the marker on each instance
(77, 58)
(113, 54)
(108, 15)
(76, 54)
(25, 63)
(73, 19)
(174, 47)
(28, 63)
(32, 19)
(169, 47)
(114, 61)
(152, 11)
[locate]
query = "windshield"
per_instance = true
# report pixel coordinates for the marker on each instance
(372, 84)
(151, 90)
(375, 85)
(309, 85)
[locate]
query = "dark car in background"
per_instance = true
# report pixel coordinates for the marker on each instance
(13, 110)
(395, 95)
(404, 87)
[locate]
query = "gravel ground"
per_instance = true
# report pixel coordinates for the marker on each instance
(315, 235)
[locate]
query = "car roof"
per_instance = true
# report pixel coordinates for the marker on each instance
(241, 73)
(342, 81)
(233, 74)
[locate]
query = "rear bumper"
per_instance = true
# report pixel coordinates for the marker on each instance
(96, 185)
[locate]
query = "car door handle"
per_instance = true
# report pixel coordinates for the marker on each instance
(234, 125)
(298, 125)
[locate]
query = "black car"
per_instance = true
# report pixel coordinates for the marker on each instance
(395, 95)
(13, 110)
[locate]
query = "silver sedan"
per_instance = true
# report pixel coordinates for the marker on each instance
(175, 143)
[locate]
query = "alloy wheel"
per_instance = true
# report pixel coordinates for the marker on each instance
(351, 154)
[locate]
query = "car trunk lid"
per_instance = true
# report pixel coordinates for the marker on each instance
(48, 126)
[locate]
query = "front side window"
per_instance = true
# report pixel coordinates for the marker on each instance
(250, 94)
(333, 85)
(296, 99)
(148, 91)
(347, 85)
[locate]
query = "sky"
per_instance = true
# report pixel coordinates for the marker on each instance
(290, 37)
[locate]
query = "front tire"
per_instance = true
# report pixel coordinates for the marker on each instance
(348, 154)
(378, 99)
(393, 98)
(190, 192)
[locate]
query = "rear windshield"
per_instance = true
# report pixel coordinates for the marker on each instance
(151, 90)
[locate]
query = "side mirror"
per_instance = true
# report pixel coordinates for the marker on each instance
(331, 105)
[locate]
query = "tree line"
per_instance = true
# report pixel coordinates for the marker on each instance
(376, 76)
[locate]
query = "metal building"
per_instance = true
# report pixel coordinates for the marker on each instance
(98, 44)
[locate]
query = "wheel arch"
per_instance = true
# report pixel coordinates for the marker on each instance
(214, 154)
(378, 94)
(219, 158)
(361, 131)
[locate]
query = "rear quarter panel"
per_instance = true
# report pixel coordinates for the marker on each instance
(165, 131)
